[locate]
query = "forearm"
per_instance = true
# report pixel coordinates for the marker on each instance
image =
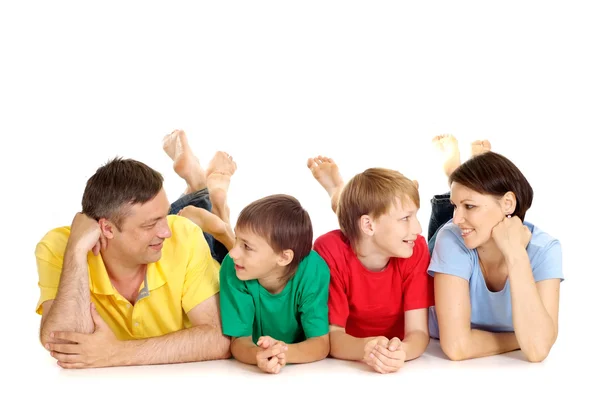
(310, 350)
(534, 328)
(244, 350)
(199, 343)
(414, 344)
(477, 343)
(346, 347)
(71, 308)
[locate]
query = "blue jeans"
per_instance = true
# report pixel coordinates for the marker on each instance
(200, 199)
(442, 211)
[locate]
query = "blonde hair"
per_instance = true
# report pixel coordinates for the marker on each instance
(372, 192)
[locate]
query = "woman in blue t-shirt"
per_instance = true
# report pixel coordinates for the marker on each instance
(496, 277)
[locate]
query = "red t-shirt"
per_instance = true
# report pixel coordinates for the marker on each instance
(370, 303)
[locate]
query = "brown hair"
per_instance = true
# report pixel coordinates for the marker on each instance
(117, 185)
(283, 223)
(493, 174)
(372, 192)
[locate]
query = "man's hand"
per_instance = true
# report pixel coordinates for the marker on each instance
(86, 235)
(94, 350)
(271, 356)
(384, 355)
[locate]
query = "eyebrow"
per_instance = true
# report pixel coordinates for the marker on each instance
(150, 221)
(462, 201)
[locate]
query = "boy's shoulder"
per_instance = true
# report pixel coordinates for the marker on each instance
(312, 265)
(334, 241)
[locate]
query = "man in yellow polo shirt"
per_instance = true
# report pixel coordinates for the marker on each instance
(130, 282)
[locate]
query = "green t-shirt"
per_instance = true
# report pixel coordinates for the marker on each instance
(295, 314)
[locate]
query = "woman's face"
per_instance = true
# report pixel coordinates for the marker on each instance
(475, 214)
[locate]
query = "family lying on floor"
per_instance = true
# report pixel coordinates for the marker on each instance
(135, 280)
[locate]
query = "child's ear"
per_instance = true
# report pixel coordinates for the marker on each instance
(285, 257)
(367, 225)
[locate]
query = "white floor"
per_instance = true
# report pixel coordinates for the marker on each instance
(432, 376)
(273, 83)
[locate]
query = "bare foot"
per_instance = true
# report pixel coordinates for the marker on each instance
(219, 172)
(479, 147)
(327, 173)
(447, 145)
(185, 164)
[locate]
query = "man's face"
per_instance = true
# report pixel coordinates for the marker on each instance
(143, 231)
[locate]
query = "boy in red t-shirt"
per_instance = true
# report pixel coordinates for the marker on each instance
(379, 292)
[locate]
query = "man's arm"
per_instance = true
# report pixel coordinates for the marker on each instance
(310, 350)
(70, 310)
(203, 341)
(416, 333)
(457, 339)
(344, 346)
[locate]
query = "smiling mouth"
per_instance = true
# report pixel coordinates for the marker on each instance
(466, 232)
(239, 268)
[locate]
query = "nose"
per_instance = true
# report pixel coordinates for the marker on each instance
(234, 253)
(458, 217)
(417, 229)
(164, 232)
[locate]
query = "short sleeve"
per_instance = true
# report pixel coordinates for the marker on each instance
(417, 284)
(313, 301)
(450, 255)
(338, 299)
(202, 272)
(49, 255)
(548, 265)
(237, 305)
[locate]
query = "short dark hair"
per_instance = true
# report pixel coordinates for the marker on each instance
(283, 223)
(118, 184)
(493, 174)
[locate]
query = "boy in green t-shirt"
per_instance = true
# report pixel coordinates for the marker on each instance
(274, 287)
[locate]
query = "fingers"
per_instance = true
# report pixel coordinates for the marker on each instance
(67, 358)
(74, 337)
(265, 342)
(273, 351)
(394, 344)
(63, 348)
(380, 366)
(390, 357)
(71, 365)
(271, 366)
(96, 249)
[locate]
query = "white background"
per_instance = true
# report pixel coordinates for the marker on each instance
(273, 83)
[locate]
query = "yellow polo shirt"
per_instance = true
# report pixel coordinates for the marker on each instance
(184, 277)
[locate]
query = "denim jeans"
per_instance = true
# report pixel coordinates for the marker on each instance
(442, 211)
(200, 199)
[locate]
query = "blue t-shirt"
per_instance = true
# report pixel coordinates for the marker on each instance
(490, 311)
